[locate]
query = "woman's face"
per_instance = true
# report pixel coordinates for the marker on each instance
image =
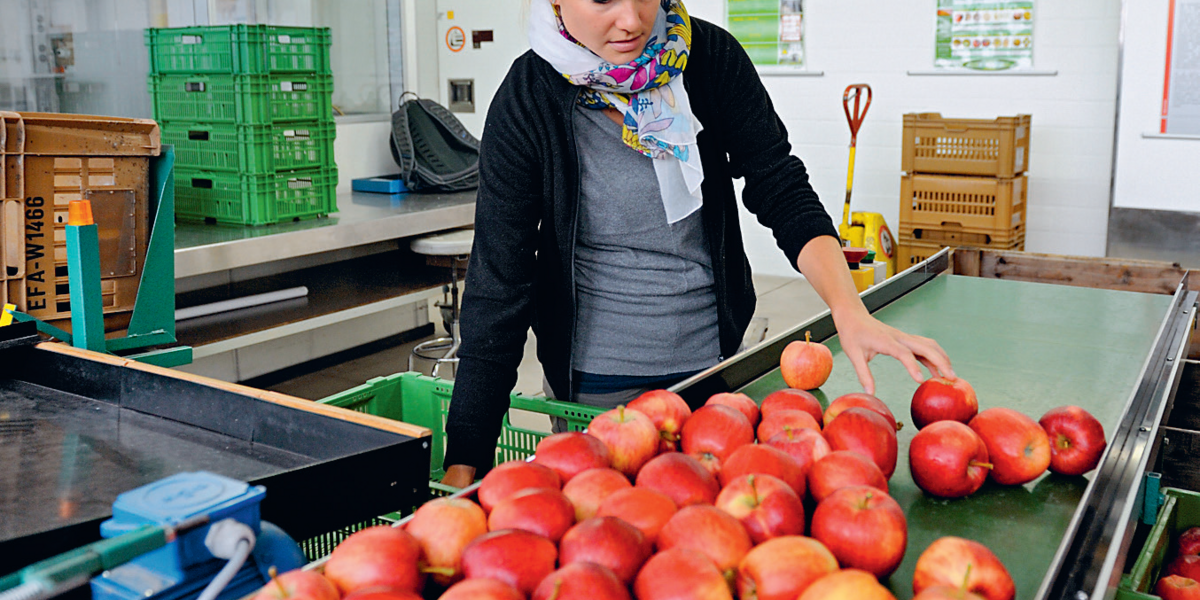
(615, 30)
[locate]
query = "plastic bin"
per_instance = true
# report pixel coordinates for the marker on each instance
(973, 203)
(242, 99)
(959, 236)
(322, 545)
(239, 49)
(238, 199)
(1180, 510)
(910, 251)
(992, 147)
(251, 149)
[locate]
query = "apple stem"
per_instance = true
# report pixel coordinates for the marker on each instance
(808, 337)
(899, 425)
(447, 571)
(866, 501)
(557, 589)
(980, 464)
(273, 573)
(621, 413)
(753, 488)
(967, 578)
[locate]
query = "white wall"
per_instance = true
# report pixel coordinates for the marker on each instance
(361, 150)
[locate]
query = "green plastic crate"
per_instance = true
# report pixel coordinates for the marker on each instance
(251, 149)
(1180, 511)
(320, 546)
(242, 99)
(239, 49)
(238, 199)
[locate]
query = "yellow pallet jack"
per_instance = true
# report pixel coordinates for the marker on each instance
(863, 229)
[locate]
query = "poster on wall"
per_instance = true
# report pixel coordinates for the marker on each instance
(771, 31)
(1181, 83)
(984, 36)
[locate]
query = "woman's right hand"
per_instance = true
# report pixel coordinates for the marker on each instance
(459, 476)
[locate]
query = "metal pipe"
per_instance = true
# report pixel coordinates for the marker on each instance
(203, 310)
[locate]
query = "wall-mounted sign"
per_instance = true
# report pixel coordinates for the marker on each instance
(456, 39)
(1181, 81)
(771, 31)
(982, 35)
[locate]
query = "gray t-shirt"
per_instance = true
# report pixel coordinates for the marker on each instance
(644, 289)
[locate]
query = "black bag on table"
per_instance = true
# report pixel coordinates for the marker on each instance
(435, 152)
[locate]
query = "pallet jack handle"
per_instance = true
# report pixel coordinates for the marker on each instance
(854, 93)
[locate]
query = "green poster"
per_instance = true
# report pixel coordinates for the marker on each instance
(771, 31)
(984, 35)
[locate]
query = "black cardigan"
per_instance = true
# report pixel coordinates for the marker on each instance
(520, 273)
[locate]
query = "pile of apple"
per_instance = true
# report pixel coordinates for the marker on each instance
(658, 502)
(1181, 576)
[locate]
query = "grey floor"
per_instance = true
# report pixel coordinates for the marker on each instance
(783, 302)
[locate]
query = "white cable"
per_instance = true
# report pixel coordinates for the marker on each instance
(204, 310)
(227, 539)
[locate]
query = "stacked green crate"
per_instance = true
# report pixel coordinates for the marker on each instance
(249, 109)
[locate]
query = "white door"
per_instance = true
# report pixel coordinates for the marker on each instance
(477, 71)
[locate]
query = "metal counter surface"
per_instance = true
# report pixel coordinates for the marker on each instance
(1026, 346)
(362, 218)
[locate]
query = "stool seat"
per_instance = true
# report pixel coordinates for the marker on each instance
(445, 243)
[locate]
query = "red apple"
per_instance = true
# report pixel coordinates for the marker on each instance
(1175, 587)
(645, 509)
(860, 400)
(792, 399)
(607, 541)
(681, 574)
(1187, 565)
(840, 469)
(518, 558)
(512, 477)
(298, 585)
(1189, 541)
(782, 568)
(547, 513)
(571, 453)
(581, 581)
(805, 365)
(682, 478)
(758, 458)
(482, 589)
(588, 489)
(710, 530)
(784, 419)
(667, 411)
(709, 461)
(847, 584)
(380, 556)
(1076, 440)
(766, 506)
(864, 528)
(963, 563)
(866, 432)
(717, 430)
(1017, 446)
(631, 437)
(378, 593)
(946, 592)
(942, 399)
(739, 402)
(948, 459)
(807, 446)
(444, 527)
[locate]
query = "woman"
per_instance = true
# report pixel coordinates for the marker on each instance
(606, 217)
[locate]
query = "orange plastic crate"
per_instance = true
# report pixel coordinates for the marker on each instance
(910, 251)
(994, 147)
(973, 203)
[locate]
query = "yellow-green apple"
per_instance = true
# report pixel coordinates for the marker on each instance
(444, 527)
(680, 574)
(860, 400)
(1177, 587)
(1189, 541)
(1076, 440)
(805, 365)
(588, 489)
(717, 430)
(682, 478)
(864, 528)
(1186, 565)
(645, 509)
(482, 589)
(793, 399)
(631, 437)
(298, 585)
(866, 432)
(843, 468)
(571, 453)
(948, 459)
(766, 506)
(946, 592)
(607, 541)
(807, 446)
(512, 477)
(759, 458)
(966, 564)
(519, 558)
(782, 419)
(581, 581)
(739, 402)
(782, 568)
(847, 584)
(380, 556)
(1018, 447)
(942, 399)
(667, 411)
(547, 513)
(710, 530)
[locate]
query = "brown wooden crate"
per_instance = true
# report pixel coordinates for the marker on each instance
(994, 147)
(57, 134)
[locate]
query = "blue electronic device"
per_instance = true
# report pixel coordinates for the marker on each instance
(182, 569)
(381, 184)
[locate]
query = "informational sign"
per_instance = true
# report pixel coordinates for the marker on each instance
(986, 36)
(1181, 84)
(456, 39)
(771, 31)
